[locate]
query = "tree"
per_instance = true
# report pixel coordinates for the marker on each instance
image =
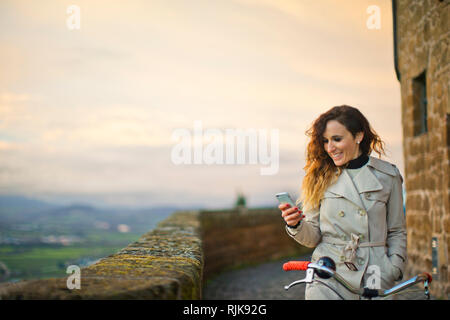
(241, 201)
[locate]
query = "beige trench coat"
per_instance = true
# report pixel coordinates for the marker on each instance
(369, 208)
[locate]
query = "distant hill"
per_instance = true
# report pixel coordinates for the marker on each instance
(21, 203)
(31, 214)
(39, 239)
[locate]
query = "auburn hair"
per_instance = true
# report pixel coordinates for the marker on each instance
(320, 170)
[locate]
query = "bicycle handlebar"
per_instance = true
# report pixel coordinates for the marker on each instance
(325, 272)
(296, 265)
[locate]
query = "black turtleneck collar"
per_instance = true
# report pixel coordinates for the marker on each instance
(358, 162)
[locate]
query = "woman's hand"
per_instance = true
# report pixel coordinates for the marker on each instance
(292, 216)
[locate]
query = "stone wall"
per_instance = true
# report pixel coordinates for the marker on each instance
(422, 44)
(166, 263)
(173, 260)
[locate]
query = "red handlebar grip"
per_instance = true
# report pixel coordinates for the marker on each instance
(296, 265)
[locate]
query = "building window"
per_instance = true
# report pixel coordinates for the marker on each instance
(420, 104)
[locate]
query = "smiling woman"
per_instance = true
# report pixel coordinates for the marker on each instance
(341, 146)
(352, 202)
(337, 136)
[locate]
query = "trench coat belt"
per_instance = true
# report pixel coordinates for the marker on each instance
(350, 247)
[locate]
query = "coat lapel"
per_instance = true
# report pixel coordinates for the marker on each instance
(345, 187)
(366, 181)
(350, 189)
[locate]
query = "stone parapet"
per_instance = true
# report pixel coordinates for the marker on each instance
(165, 263)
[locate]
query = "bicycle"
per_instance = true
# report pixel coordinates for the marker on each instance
(325, 268)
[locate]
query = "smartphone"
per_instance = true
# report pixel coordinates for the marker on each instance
(284, 197)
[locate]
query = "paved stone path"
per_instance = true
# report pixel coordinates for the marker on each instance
(266, 282)
(262, 282)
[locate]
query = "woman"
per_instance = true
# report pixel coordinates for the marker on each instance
(352, 204)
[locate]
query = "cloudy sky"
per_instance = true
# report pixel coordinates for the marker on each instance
(89, 114)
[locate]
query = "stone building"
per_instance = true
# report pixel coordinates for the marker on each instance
(421, 43)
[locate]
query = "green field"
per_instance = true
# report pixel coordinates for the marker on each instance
(47, 261)
(40, 240)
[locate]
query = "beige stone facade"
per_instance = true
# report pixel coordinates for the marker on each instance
(421, 35)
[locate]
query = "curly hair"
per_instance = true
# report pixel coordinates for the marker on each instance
(320, 170)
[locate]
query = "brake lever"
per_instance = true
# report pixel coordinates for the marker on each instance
(308, 279)
(427, 291)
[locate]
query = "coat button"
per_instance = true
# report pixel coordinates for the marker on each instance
(341, 213)
(362, 212)
(368, 195)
